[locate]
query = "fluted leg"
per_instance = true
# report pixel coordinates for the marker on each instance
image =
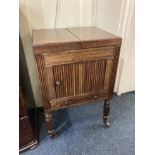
(106, 113)
(48, 119)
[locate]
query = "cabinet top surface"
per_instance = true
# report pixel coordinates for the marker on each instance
(51, 36)
(66, 35)
(91, 33)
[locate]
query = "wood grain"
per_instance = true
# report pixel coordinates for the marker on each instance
(52, 36)
(91, 33)
(94, 37)
(79, 78)
(71, 101)
(71, 56)
(43, 80)
(75, 65)
(26, 135)
(57, 40)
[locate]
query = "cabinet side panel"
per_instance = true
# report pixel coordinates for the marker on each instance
(43, 80)
(108, 74)
(114, 70)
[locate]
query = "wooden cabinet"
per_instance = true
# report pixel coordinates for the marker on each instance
(75, 65)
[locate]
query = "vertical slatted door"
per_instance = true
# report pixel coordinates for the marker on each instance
(83, 77)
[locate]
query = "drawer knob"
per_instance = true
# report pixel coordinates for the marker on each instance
(57, 82)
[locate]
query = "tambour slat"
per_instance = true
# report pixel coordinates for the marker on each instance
(76, 79)
(82, 77)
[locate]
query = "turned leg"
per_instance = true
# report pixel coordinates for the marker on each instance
(106, 113)
(48, 119)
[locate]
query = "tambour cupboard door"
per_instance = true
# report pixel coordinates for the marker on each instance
(73, 73)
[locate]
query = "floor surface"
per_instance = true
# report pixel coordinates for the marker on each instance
(81, 130)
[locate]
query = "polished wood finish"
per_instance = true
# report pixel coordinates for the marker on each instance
(95, 37)
(75, 65)
(54, 40)
(26, 135)
(52, 36)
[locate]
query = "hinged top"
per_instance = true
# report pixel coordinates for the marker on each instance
(72, 38)
(91, 33)
(52, 36)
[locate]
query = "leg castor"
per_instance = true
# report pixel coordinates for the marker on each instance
(53, 134)
(106, 113)
(106, 124)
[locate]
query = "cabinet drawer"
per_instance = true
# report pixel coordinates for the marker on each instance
(74, 56)
(76, 100)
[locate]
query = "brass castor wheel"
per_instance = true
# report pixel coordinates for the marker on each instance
(107, 124)
(54, 135)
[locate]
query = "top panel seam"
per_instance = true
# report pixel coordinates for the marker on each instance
(73, 34)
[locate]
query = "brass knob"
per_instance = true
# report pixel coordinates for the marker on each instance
(57, 82)
(95, 97)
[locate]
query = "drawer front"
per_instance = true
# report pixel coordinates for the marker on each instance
(79, 73)
(76, 100)
(74, 56)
